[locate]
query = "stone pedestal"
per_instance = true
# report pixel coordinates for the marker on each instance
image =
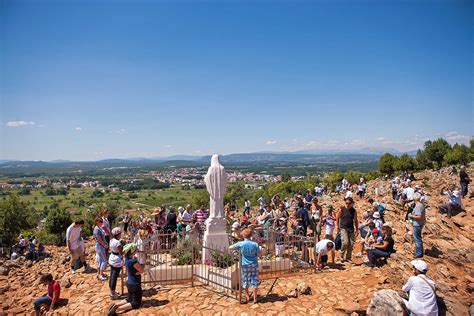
(215, 237)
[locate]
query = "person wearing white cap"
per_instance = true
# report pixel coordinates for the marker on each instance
(422, 291)
(377, 220)
(236, 232)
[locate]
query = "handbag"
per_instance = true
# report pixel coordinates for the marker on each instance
(338, 241)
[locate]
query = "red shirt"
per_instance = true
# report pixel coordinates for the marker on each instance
(54, 288)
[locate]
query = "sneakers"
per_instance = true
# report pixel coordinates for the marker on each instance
(367, 264)
(112, 310)
(114, 296)
(101, 278)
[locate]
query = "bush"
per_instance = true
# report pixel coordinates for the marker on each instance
(57, 222)
(387, 164)
(184, 253)
(458, 155)
(222, 259)
(97, 194)
(15, 216)
(436, 150)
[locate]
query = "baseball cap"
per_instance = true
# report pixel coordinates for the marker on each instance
(420, 265)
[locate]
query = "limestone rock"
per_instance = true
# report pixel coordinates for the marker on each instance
(4, 270)
(387, 303)
(304, 288)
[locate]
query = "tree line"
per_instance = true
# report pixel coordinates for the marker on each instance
(434, 155)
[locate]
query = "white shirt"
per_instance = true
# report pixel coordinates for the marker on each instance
(114, 260)
(454, 198)
(247, 203)
(141, 248)
(322, 247)
(73, 236)
(409, 193)
(348, 194)
(422, 300)
(262, 202)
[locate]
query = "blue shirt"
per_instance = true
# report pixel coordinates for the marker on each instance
(98, 234)
(249, 251)
(134, 278)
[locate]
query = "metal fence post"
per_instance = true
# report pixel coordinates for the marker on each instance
(192, 264)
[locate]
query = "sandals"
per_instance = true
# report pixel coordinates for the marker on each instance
(112, 310)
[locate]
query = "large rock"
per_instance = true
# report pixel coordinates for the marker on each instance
(387, 303)
(4, 270)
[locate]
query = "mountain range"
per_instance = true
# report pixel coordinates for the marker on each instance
(367, 154)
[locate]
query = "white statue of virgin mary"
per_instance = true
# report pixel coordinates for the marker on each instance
(216, 184)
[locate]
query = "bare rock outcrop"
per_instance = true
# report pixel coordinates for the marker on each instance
(387, 303)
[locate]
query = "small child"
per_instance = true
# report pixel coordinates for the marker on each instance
(141, 255)
(330, 221)
(49, 300)
(372, 238)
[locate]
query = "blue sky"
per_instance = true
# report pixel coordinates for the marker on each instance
(87, 80)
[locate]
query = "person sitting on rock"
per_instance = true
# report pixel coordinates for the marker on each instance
(22, 244)
(322, 249)
(382, 250)
(454, 204)
(134, 282)
(49, 300)
(422, 291)
(31, 253)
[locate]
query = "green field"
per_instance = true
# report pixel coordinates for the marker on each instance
(79, 200)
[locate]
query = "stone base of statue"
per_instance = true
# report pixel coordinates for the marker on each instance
(215, 237)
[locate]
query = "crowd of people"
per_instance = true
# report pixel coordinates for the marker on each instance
(301, 215)
(29, 248)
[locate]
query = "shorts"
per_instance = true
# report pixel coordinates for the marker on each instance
(250, 276)
(77, 253)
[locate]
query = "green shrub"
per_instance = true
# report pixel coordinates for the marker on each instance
(57, 222)
(222, 259)
(15, 216)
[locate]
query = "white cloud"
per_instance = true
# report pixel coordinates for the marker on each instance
(168, 146)
(271, 142)
(119, 131)
(19, 123)
(455, 137)
(79, 129)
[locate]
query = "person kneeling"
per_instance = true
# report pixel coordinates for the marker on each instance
(49, 300)
(322, 250)
(134, 282)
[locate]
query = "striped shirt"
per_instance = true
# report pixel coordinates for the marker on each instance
(200, 215)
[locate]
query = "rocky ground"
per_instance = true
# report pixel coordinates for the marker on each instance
(345, 290)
